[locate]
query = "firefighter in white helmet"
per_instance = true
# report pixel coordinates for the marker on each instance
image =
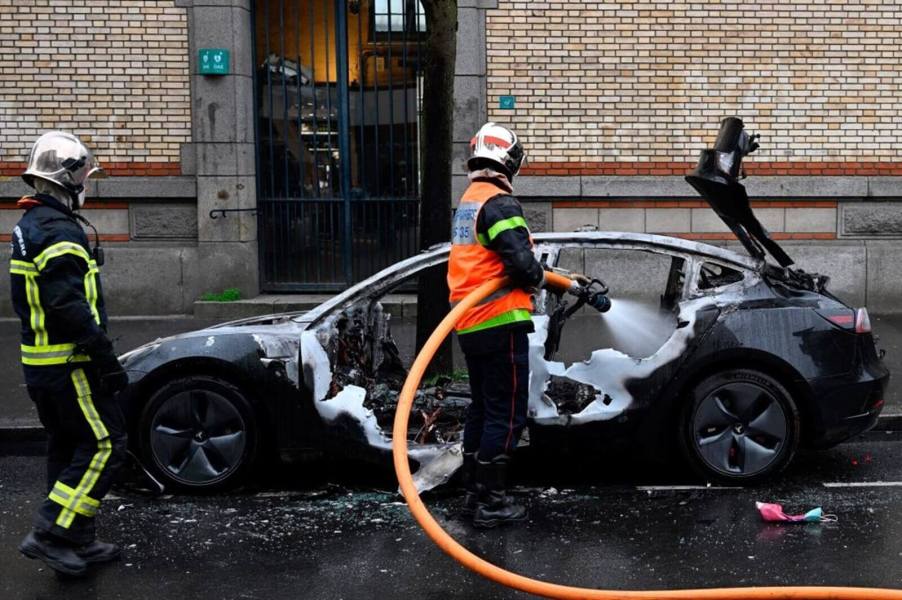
(490, 238)
(70, 368)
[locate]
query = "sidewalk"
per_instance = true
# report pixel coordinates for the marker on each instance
(18, 411)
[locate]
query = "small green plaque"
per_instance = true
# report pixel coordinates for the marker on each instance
(507, 102)
(213, 61)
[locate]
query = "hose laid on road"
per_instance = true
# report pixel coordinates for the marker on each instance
(535, 586)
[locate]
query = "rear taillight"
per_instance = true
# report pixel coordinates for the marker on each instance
(844, 318)
(853, 320)
(862, 321)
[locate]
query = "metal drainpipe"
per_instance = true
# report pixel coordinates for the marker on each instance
(344, 128)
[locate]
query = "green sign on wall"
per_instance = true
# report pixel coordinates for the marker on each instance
(213, 61)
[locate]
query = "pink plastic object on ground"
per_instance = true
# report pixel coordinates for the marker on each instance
(774, 513)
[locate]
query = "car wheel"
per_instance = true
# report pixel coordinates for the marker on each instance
(198, 434)
(739, 426)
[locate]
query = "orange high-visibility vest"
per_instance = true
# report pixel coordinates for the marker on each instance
(471, 263)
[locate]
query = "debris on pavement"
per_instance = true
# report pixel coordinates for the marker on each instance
(440, 469)
(773, 513)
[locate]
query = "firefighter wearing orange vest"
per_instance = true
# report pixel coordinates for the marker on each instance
(490, 238)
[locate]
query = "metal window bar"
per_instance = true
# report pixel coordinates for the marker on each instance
(327, 219)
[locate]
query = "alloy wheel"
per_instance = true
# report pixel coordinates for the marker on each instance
(739, 429)
(198, 437)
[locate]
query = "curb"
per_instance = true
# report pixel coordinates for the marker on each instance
(27, 440)
(891, 422)
(22, 433)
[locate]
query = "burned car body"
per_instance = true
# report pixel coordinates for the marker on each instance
(733, 359)
(791, 366)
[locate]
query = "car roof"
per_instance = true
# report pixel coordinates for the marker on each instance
(650, 241)
(614, 239)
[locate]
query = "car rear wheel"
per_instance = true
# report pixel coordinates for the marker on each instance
(198, 434)
(739, 426)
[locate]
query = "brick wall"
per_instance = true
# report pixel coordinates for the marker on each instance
(608, 87)
(114, 72)
(786, 220)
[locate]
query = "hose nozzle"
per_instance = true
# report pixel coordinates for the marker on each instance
(599, 302)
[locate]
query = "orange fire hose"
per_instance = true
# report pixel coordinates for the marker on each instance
(535, 586)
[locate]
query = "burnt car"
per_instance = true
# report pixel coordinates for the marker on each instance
(733, 359)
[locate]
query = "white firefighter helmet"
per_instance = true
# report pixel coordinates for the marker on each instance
(62, 159)
(496, 144)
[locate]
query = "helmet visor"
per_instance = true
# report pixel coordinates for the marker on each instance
(95, 171)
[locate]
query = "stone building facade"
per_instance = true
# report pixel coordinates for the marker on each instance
(613, 100)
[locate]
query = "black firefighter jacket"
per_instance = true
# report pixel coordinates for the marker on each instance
(56, 291)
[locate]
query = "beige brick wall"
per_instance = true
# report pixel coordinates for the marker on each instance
(649, 81)
(114, 72)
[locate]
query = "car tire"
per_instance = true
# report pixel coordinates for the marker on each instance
(739, 426)
(198, 434)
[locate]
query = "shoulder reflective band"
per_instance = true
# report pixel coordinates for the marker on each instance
(501, 226)
(59, 249)
(512, 316)
(56, 354)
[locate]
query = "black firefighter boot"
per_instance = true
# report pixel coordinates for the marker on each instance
(468, 480)
(56, 554)
(98, 552)
(494, 508)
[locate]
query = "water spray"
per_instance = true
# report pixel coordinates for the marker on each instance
(534, 586)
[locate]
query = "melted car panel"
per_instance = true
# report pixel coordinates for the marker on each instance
(352, 362)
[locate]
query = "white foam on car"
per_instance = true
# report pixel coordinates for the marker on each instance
(607, 370)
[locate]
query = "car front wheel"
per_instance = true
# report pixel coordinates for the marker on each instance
(198, 434)
(739, 426)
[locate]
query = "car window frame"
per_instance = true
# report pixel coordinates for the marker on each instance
(671, 253)
(548, 250)
(695, 291)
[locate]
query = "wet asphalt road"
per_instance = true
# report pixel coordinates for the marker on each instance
(595, 524)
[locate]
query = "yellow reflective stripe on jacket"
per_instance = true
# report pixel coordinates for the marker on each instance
(21, 267)
(91, 289)
(59, 249)
(37, 318)
(79, 495)
(38, 355)
(512, 316)
(56, 354)
(501, 226)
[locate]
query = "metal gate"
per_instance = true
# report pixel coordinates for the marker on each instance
(338, 89)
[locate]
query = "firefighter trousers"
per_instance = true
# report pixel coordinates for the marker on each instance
(86, 446)
(498, 365)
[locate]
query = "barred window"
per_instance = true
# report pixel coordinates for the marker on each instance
(397, 17)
